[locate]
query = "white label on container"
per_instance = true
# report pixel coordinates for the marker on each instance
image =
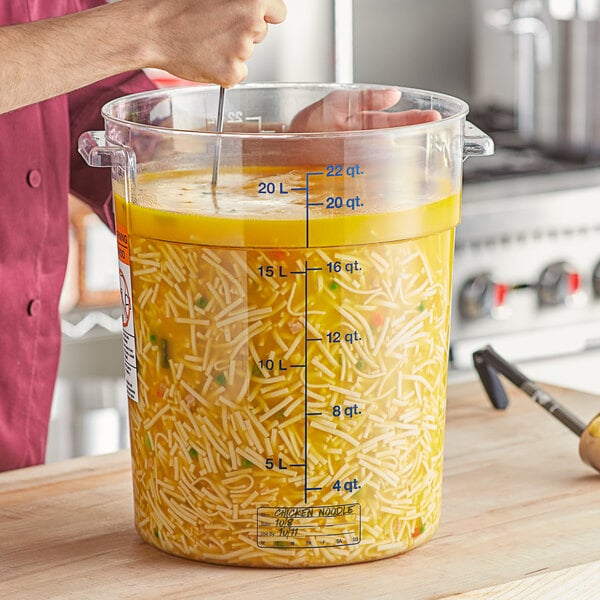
(281, 527)
(127, 314)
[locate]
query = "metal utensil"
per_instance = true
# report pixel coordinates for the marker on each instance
(489, 363)
(219, 130)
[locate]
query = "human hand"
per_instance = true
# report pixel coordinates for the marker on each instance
(341, 110)
(204, 40)
(355, 110)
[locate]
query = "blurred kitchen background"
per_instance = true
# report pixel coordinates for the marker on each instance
(527, 264)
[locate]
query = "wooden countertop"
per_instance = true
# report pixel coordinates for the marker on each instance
(520, 519)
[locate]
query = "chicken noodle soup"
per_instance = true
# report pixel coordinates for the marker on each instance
(291, 395)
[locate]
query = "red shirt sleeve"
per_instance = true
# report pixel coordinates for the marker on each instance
(93, 185)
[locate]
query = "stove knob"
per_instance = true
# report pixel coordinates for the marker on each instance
(596, 280)
(480, 296)
(557, 284)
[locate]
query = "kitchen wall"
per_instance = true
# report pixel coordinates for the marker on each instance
(418, 43)
(299, 49)
(492, 76)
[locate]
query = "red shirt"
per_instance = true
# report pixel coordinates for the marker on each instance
(39, 165)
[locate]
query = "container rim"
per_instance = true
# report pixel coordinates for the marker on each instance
(109, 110)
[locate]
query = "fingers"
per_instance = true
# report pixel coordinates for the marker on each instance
(261, 33)
(382, 99)
(254, 31)
(364, 110)
(208, 40)
(354, 101)
(382, 120)
(275, 12)
(414, 117)
(355, 110)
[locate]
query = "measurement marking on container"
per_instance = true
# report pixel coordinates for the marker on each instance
(257, 119)
(306, 490)
(334, 267)
(307, 339)
(306, 187)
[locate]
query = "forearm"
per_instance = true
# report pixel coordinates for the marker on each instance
(202, 40)
(46, 58)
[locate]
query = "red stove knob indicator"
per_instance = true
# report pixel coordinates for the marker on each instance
(480, 296)
(558, 284)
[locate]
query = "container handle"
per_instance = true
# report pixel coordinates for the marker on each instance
(97, 152)
(476, 142)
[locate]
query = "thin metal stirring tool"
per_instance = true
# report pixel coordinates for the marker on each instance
(219, 130)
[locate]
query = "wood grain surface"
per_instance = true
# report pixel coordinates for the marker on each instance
(520, 519)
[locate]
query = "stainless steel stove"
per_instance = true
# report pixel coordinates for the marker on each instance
(527, 265)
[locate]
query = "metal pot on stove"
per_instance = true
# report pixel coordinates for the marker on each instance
(557, 69)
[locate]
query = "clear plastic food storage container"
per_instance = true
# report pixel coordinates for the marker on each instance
(285, 330)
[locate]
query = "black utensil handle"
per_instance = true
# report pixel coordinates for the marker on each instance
(502, 366)
(490, 380)
(489, 364)
(566, 417)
